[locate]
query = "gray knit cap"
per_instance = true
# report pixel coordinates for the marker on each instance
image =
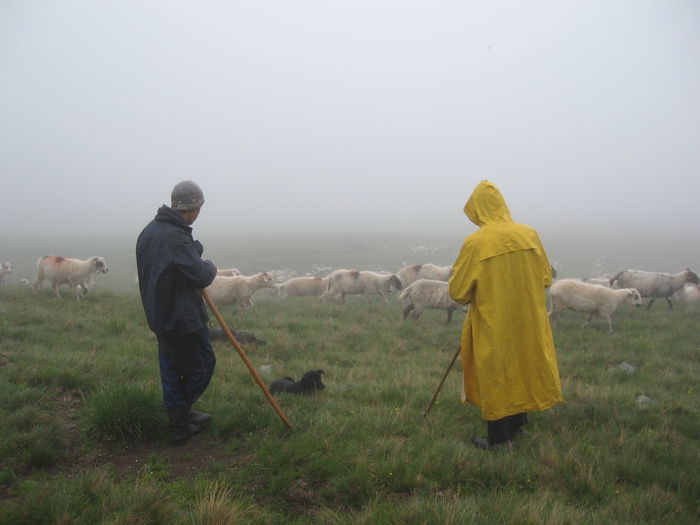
(186, 196)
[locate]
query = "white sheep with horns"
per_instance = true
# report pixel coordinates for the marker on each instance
(654, 284)
(589, 298)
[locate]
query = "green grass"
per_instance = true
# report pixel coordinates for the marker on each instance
(81, 395)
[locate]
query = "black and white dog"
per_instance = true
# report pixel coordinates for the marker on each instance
(308, 384)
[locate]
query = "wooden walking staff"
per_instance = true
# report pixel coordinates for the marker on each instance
(425, 414)
(247, 362)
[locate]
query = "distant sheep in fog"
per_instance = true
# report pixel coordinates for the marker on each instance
(5, 270)
(413, 272)
(76, 273)
(354, 282)
(589, 298)
(428, 293)
(601, 281)
(239, 289)
(688, 294)
(303, 287)
(653, 284)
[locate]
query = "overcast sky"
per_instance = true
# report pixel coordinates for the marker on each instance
(349, 115)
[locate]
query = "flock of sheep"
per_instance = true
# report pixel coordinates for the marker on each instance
(421, 286)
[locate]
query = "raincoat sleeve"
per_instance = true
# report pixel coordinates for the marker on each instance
(464, 279)
(546, 267)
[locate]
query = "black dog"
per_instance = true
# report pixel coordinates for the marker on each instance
(216, 333)
(308, 384)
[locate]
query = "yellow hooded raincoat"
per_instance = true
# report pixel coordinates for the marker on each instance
(508, 354)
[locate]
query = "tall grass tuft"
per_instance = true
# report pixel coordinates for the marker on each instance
(124, 413)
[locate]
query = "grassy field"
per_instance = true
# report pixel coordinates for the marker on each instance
(84, 437)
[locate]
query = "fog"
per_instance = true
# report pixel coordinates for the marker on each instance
(363, 116)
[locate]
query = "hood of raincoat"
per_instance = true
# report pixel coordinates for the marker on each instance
(486, 205)
(498, 233)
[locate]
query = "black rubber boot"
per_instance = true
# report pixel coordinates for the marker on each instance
(198, 418)
(516, 424)
(180, 428)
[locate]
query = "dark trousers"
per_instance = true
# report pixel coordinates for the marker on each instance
(506, 428)
(186, 366)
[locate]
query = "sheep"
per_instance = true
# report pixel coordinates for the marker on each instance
(413, 272)
(5, 270)
(589, 298)
(75, 273)
(597, 280)
(655, 285)
(353, 282)
(228, 272)
(688, 294)
(428, 293)
(239, 288)
(303, 287)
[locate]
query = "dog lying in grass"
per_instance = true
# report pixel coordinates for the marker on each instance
(244, 338)
(308, 384)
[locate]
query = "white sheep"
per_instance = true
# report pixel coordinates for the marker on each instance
(602, 281)
(76, 273)
(303, 287)
(413, 272)
(228, 272)
(653, 284)
(688, 294)
(589, 298)
(5, 270)
(239, 288)
(428, 293)
(354, 282)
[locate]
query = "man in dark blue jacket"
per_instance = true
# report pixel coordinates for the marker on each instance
(171, 273)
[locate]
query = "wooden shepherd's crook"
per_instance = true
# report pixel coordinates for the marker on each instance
(247, 362)
(425, 414)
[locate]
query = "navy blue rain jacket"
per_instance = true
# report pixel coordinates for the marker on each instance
(171, 273)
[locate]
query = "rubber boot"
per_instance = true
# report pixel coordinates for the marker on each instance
(516, 423)
(198, 418)
(180, 428)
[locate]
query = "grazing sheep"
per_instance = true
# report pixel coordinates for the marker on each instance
(413, 272)
(308, 384)
(428, 293)
(354, 282)
(24, 283)
(655, 285)
(589, 298)
(688, 294)
(281, 276)
(228, 272)
(239, 288)
(5, 270)
(75, 273)
(303, 287)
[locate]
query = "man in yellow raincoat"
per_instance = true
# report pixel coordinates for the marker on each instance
(508, 356)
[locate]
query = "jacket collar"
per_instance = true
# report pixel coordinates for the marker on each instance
(167, 214)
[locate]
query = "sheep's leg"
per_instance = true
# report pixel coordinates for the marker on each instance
(651, 302)
(407, 310)
(450, 311)
(610, 326)
(342, 297)
(590, 316)
(670, 305)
